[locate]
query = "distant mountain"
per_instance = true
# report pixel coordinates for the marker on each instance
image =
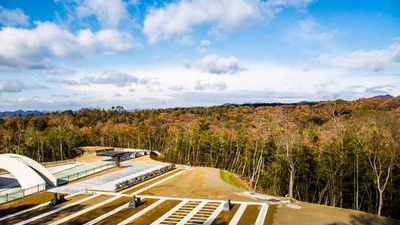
(255, 104)
(260, 104)
(382, 97)
(20, 113)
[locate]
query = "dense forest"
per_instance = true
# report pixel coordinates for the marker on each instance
(337, 153)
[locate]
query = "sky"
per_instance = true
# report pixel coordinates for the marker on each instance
(73, 54)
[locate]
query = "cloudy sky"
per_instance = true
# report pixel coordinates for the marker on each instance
(72, 54)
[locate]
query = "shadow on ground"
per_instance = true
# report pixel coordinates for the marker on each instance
(366, 219)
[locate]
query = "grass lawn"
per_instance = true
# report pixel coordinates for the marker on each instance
(232, 179)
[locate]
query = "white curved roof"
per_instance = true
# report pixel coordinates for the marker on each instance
(27, 171)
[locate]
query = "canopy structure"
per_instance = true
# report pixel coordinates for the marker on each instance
(27, 171)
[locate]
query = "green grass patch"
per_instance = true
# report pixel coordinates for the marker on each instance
(232, 179)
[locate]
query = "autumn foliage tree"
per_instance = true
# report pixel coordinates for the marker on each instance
(336, 153)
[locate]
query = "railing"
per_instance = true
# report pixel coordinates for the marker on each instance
(49, 164)
(11, 196)
(80, 174)
(59, 162)
(139, 179)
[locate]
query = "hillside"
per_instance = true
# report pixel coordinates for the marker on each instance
(326, 153)
(20, 113)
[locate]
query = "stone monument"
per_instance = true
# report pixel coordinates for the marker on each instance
(135, 202)
(227, 205)
(56, 201)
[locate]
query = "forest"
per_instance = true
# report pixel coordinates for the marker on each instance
(336, 153)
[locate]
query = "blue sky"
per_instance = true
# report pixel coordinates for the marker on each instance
(72, 54)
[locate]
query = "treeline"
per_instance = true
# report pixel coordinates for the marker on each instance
(336, 153)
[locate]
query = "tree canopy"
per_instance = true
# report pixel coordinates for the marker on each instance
(337, 153)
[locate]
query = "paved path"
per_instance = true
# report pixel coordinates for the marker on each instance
(80, 168)
(107, 182)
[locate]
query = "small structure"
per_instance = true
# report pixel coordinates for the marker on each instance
(135, 202)
(28, 172)
(227, 205)
(117, 156)
(56, 201)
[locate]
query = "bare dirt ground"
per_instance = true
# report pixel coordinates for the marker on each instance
(145, 159)
(88, 158)
(323, 215)
(198, 182)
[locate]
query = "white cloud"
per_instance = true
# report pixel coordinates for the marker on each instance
(218, 65)
(186, 64)
(299, 4)
(227, 15)
(219, 86)
(326, 36)
(217, 34)
(376, 59)
(180, 17)
(308, 29)
(185, 40)
(14, 17)
(11, 86)
(116, 78)
(201, 50)
(108, 13)
(14, 85)
(382, 89)
(115, 41)
(60, 70)
(177, 87)
(261, 82)
(205, 42)
(202, 86)
(107, 77)
(64, 81)
(25, 48)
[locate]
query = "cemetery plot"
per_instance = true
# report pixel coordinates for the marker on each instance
(41, 210)
(126, 212)
(25, 203)
(156, 213)
(204, 214)
(180, 213)
(101, 210)
(225, 216)
(69, 210)
(250, 215)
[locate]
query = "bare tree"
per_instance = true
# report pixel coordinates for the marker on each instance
(288, 141)
(381, 153)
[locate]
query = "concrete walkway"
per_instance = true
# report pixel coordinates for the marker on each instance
(80, 168)
(107, 182)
